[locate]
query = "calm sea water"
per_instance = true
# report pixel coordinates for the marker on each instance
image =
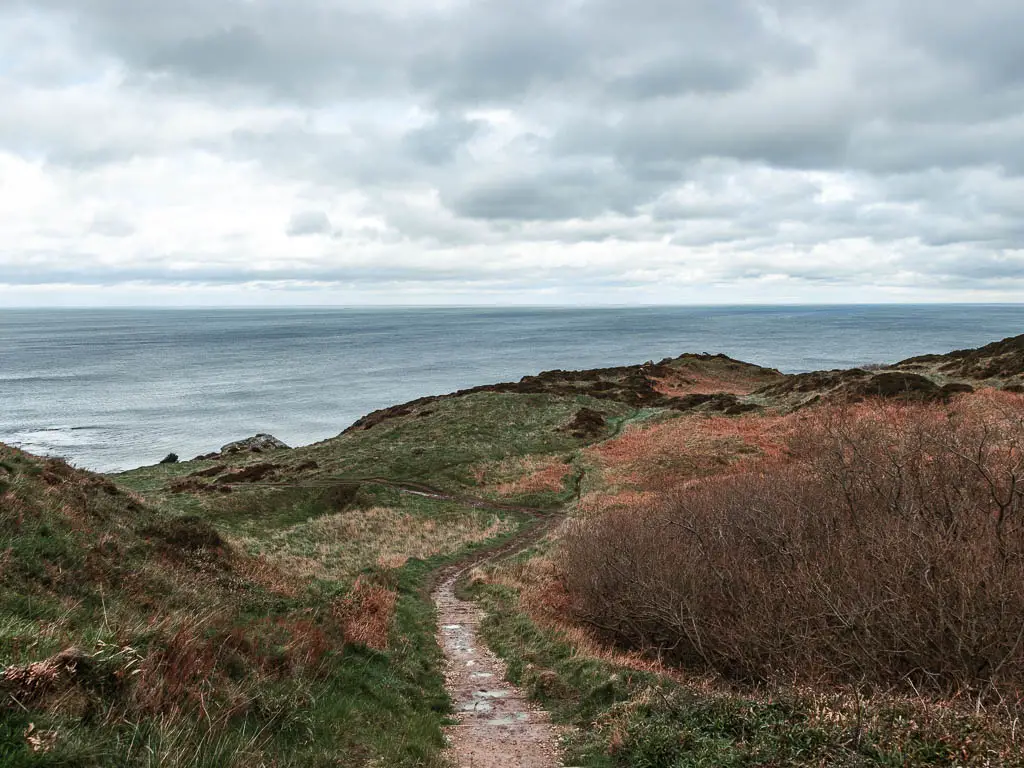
(115, 389)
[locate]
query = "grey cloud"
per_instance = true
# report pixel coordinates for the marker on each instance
(675, 76)
(111, 225)
(308, 223)
(983, 35)
(554, 194)
(438, 142)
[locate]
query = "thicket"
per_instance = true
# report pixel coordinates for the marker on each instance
(887, 550)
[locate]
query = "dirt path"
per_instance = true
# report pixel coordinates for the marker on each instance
(497, 726)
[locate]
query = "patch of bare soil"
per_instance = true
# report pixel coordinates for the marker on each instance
(498, 726)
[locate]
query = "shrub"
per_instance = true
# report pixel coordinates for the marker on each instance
(889, 550)
(170, 458)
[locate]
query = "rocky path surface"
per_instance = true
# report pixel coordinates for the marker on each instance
(497, 725)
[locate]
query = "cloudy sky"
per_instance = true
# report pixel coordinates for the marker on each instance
(510, 151)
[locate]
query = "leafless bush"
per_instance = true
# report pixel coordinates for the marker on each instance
(890, 550)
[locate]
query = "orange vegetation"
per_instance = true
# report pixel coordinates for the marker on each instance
(858, 522)
(693, 383)
(522, 475)
(366, 613)
(673, 453)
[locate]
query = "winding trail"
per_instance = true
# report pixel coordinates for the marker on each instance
(497, 725)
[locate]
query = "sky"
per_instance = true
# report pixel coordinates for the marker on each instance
(249, 152)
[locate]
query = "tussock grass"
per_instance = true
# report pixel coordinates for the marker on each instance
(339, 546)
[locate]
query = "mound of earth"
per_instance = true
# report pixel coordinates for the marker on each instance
(805, 388)
(998, 360)
(815, 382)
(189, 533)
(896, 384)
(587, 423)
(251, 474)
(649, 385)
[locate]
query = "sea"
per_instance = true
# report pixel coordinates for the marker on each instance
(113, 389)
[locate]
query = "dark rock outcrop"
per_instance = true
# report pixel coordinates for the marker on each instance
(587, 424)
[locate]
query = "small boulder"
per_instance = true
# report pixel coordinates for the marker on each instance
(255, 444)
(170, 458)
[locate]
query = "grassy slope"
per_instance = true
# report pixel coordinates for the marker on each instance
(234, 605)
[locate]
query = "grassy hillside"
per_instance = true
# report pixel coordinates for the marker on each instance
(269, 608)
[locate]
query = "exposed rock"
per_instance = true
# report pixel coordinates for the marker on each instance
(170, 458)
(255, 444)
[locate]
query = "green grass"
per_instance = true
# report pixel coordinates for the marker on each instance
(234, 671)
(362, 706)
(456, 435)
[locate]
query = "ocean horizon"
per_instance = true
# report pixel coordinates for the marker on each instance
(112, 389)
